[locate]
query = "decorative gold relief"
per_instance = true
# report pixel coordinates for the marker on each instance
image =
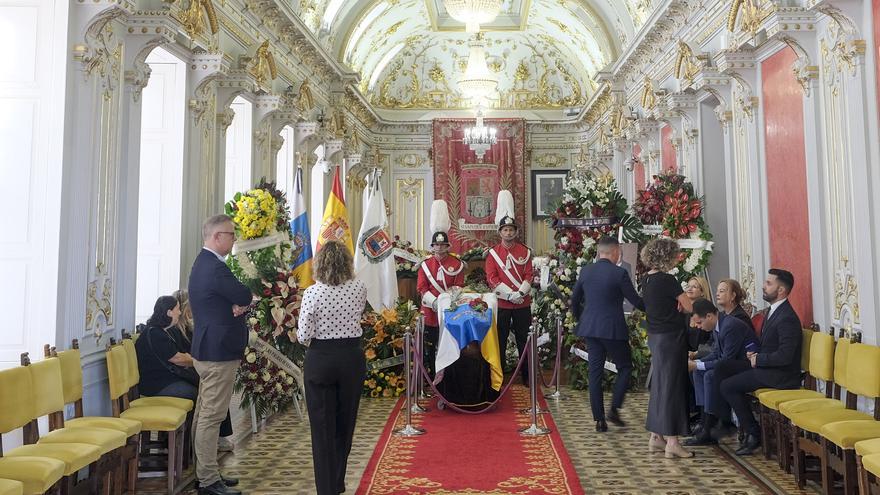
(648, 100)
(193, 18)
(846, 299)
(550, 160)
(750, 15)
(687, 66)
(410, 160)
(263, 65)
(305, 102)
(747, 278)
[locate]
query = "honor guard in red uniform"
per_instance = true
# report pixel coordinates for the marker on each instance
(438, 273)
(509, 273)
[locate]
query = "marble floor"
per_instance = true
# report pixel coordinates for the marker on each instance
(277, 459)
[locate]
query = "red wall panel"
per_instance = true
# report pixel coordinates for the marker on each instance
(638, 168)
(787, 177)
(667, 152)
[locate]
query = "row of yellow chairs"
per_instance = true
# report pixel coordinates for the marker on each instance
(107, 446)
(827, 424)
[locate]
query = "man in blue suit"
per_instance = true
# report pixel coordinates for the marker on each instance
(219, 302)
(733, 338)
(597, 304)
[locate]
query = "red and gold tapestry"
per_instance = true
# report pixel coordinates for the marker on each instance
(470, 187)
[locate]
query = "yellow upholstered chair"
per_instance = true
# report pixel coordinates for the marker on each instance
(821, 367)
(71, 381)
(134, 378)
(841, 352)
(11, 487)
(869, 473)
(167, 419)
(831, 434)
(36, 473)
(863, 449)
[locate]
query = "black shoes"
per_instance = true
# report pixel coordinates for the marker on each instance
(614, 418)
(704, 438)
(226, 481)
(218, 488)
(751, 444)
(601, 426)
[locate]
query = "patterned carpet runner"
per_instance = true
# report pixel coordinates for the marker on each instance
(471, 454)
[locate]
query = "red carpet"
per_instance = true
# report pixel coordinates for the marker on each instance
(471, 454)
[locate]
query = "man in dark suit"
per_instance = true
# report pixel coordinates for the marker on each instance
(733, 339)
(597, 303)
(219, 302)
(777, 365)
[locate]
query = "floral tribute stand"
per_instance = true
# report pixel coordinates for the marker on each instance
(591, 207)
(270, 377)
(669, 207)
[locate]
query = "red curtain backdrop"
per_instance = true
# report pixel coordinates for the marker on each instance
(470, 188)
(638, 168)
(667, 152)
(876, 9)
(787, 177)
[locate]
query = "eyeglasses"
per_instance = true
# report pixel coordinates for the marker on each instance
(230, 233)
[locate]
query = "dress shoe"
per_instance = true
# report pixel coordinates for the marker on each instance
(226, 481)
(601, 426)
(751, 444)
(701, 439)
(218, 488)
(614, 417)
(677, 451)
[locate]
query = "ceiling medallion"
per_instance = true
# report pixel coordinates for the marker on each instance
(480, 138)
(473, 12)
(478, 82)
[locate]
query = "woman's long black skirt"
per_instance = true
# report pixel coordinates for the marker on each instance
(667, 403)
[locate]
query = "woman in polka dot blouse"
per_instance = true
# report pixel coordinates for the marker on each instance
(335, 368)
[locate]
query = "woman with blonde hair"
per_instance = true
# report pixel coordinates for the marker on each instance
(667, 338)
(696, 288)
(335, 367)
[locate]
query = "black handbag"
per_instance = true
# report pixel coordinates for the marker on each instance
(188, 375)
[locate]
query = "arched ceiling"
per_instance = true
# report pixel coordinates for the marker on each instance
(410, 53)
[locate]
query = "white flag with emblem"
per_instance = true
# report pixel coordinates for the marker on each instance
(374, 260)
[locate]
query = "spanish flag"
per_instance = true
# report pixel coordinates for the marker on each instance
(334, 226)
(301, 242)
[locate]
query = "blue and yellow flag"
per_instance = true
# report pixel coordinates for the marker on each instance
(301, 241)
(334, 226)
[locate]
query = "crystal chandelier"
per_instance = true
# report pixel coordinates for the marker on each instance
(478, 81)
(480, 138)
(473, 12)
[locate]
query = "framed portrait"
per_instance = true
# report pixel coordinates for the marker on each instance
(547, 187)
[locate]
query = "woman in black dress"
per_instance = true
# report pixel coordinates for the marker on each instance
(665, 303)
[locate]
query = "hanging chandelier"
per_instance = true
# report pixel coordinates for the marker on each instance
(478, 81)
(473, 12)
(480, 138)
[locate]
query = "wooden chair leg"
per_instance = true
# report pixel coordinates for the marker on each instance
(180, 446)
(132, 451)
(826, 471)
(786, 451)
(850, 473)
(799, 458)
(765, 432)
(172, 460)
(864, 488)
(780, 440)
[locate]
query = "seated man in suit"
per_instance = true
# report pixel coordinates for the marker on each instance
(777, 365)
(597, 304)
(732, 339)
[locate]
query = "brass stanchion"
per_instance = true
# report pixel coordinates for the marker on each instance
(556, 394)
(408, 430)
(418, 380)
(533, 429)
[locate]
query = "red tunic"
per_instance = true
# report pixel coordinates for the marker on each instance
(447, 274)
(518, 261)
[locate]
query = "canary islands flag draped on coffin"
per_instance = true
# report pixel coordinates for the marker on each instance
(461, 325)
(334, 226)
(300, 240)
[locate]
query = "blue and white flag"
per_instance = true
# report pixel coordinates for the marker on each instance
(300, 240)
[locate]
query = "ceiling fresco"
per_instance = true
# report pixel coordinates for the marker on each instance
(410, 53)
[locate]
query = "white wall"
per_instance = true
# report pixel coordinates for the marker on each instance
(238, 148)
(160, 197)
(285, 166)
(32, 75)
(718, 207)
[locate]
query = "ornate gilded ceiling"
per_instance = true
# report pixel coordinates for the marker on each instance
(410, 53)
